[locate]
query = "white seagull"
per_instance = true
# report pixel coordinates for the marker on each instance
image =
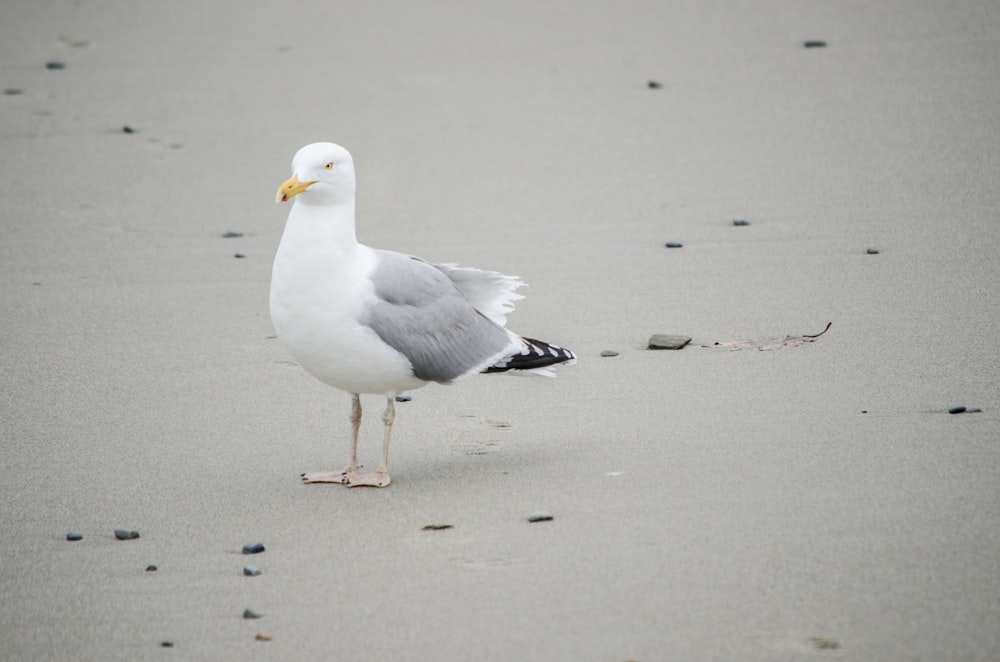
(366, 320)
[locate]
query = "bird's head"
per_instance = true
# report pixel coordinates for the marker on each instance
(323, 173)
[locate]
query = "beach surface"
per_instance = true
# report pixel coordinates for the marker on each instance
(756, 500)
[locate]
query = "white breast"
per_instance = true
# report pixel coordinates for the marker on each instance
(319, 295)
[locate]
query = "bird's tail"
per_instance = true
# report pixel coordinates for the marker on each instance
(536, 356)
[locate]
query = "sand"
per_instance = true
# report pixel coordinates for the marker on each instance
(708, 504)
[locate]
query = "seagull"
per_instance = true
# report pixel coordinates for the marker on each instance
(371, 321)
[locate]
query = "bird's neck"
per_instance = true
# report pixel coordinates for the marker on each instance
(326, 227)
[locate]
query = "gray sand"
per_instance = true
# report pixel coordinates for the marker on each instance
(708, 504)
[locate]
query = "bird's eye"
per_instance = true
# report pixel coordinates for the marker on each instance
(329, 166)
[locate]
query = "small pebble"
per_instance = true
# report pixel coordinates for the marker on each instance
(740, 222)
(666, 341)
(251, 570)
(653, 85)
(253, 547)
(167, 644)
(815, 44)
(956, 410)
(673, 244)
(150, 568)
(540, 516)
(608, 352)
(872, 251)
(74, 536)
(128, 129)
(438, 527)
(231, 235)
(250, 613)
(13, 91)
(239, 256)
(126, 534)
(403, 398)
(55, 64)
(973, 410)
(263, 637)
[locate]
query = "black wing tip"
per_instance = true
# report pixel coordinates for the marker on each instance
(536, 354)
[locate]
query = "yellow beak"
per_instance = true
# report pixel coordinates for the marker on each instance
(290, 189)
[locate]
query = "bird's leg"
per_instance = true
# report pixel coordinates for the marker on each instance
(353, 466)
(380, 477)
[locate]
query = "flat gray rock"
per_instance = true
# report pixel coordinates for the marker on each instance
(667, 341)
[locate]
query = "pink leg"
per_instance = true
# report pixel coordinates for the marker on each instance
(380, 477)
(353, 466)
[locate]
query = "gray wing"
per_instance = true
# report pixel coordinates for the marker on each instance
(423, 315)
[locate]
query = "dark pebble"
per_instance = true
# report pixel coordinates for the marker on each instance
(815, 44)
(128, 129)
(126, 534)
(956, 410)
(150, 568)
(231, 235)
(167, 644)
(608, 353)
(253, 548)
(653, 85)
(239, 256)
(872, 251)
(55, 64)
(438, 527)
(74, 536)
(540, 516)
(864, 411)
(666, 341)
(13, 91)
(740, 222)
(250, 613)
(403, 398)
(673, 244)
(251, 570)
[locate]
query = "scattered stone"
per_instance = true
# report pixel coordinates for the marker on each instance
(251, 570)
(608, 353)
(437, 527)
(151, 568)
(239, 256)
(666, 341)
(263, 637)
(73, 536)
(817, 43)
(956, 410)
(167, 644)
(864, 411)
(253, 547)
(231, 235)
(540, 516)
(973, 410)
(740, 222)
(126, 534)
(55, 64)
(872, 251)
(128, 129)
(653, 85)
(403, 398)
(673, 244)
(822, 643)
(250, 613)
(12, 91)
